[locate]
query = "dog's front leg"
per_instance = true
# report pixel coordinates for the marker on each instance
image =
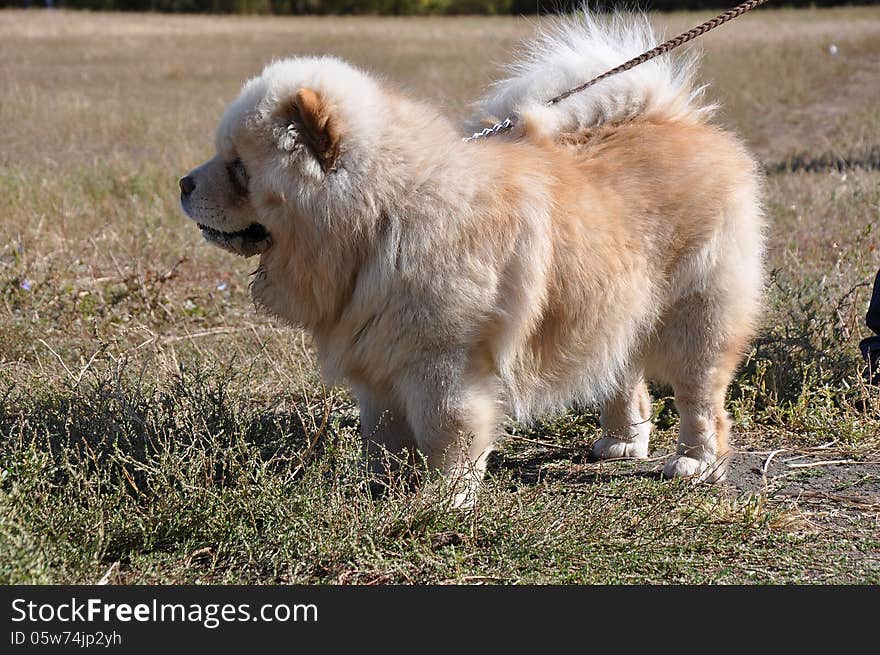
(455, 426)
(386, 436)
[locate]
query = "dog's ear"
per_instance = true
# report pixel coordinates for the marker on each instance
(313, 123)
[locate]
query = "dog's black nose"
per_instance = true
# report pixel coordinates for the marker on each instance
(187, 185)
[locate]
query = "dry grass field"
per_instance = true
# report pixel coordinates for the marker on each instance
(155, 428)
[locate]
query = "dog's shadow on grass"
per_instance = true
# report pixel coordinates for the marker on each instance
(571, 466)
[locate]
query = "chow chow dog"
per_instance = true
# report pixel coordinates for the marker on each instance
(612, 238)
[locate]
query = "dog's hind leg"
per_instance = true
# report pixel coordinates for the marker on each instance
(703, 451)
(626, 423)
(700, 346)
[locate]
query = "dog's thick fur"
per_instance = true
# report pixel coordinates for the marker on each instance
(611, 238)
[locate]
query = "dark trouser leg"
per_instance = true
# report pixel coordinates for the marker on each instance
(871, 346)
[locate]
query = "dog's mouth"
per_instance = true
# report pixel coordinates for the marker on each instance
(253, 240)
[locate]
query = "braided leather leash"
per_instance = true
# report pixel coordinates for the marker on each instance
(665, 47)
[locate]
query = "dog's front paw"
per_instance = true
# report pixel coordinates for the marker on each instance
(611, 448)
(699, 470)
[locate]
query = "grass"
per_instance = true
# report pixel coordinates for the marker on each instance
(153, 425)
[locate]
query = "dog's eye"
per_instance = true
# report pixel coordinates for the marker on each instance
(238, 175)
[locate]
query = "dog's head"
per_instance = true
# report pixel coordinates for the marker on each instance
(293, 141)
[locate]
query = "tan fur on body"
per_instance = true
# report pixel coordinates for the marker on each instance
(452, 283)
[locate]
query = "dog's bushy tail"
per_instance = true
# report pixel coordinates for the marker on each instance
(579, 47)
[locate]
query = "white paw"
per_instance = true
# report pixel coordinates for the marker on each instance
(682, 466)
(464, 500)
(464, 485)
(611, 448)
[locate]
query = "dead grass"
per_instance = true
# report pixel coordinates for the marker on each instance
(148, 416)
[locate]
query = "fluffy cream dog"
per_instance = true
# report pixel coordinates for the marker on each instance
(611, 238)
